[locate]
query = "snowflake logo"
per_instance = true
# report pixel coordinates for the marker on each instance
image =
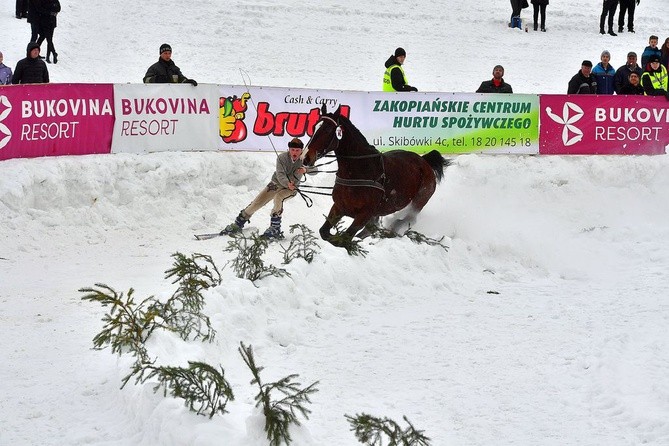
(571, 113)
(5, 110)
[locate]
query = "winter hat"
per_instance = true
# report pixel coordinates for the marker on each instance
(165, 47)
(400, 52)
(654, 58)
(31, 46)
(295, 143)
(605, 53)
(586, 63)
(631, 54)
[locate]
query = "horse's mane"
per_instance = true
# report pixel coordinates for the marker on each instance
(355, 133)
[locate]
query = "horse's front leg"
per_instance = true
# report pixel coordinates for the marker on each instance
(345, 239)
(332, 219)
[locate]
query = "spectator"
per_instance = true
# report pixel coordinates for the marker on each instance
(583, 82)
(540, 6)
(608, 8)
(32, 69)
(5, 72)
(496, 84)
(654, 78)
(165, 70)
(394, 78)
(650, 50)
(47, 25)
(604, 73)
(664, 51)
(622, 75)
(34, 8)
(633, 86)
(627, 6)
(21, 9)
(283, 186)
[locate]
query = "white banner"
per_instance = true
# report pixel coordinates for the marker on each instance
(161, 117)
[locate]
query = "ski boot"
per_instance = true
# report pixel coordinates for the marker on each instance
(274, 230)
(237, 225)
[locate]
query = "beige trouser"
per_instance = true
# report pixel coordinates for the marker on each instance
(271, 192)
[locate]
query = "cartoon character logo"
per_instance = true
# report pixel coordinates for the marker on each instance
(231, 118)
(5, 110)
(571, 113)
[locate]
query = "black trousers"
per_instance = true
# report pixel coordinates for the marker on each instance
(626, 6)
(538, 8)
(608, 7)
(516, 8)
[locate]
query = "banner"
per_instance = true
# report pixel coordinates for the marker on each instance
(162, 117)
(55, 119)
(604, 125)
(420, 122)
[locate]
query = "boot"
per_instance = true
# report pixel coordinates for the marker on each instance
(55, 57)
(274, 230)
(535, 27)
(611, 33)
(237, 226)
(601, 26)
(48, 57)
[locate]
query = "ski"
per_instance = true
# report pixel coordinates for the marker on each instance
(208, 236)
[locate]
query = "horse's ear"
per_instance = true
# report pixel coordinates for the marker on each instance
(324, 110)
(338, 112)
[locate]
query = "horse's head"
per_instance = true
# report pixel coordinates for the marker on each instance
(325, 139)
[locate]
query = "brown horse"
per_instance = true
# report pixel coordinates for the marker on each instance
(370, 184)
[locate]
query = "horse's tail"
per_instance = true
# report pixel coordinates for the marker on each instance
(437, 162)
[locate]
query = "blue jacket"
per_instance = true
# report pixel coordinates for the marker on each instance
(649, 51)
(605, 78)
(5, 74)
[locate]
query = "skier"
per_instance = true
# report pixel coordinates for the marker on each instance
(283, 186)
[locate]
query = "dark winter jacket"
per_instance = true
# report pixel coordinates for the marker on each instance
(650, 51)
(490, 87)
(539, 2)
(605, 78)
(630, 89)
(580, 84)
(396, 76)
(622, 76)
(29, 70)
(48, 13)
(163, 72)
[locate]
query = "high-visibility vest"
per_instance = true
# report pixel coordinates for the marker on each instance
(659, 79)
(387, 83)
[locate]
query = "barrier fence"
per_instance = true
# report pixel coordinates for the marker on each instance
(75, 119)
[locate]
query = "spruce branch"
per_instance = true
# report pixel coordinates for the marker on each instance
(279, 414)
(203, 388)
(127, 325)
(248, 263)
(371, 431)
(302, 245)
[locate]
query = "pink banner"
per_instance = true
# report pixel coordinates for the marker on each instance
(55, 119)
(604, 125)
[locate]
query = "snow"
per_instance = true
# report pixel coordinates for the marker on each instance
(543, 323)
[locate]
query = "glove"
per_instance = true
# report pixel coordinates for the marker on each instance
(160, 79)
(192, 82)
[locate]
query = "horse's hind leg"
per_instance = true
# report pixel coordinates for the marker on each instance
(417, 204)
